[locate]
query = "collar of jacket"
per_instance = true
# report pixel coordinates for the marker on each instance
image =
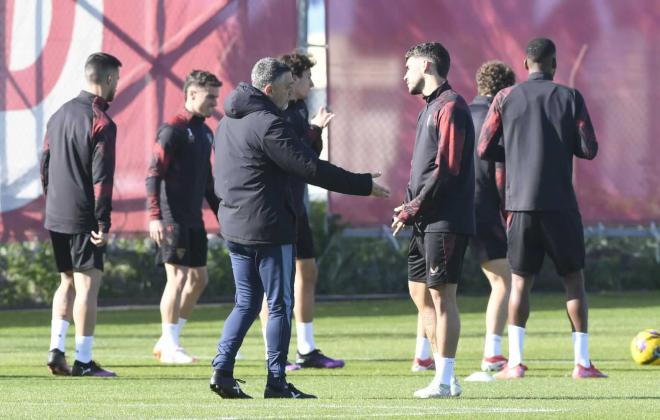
(538, 75)
(94, 99)
(443, 87)
(482, 100)
(189, 117)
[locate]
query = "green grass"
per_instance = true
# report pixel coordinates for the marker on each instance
(377, 340)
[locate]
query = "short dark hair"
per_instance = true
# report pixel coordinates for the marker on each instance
(435, 52)
(298, 61)
(540, 49)
(98, 65)
(266, 71)
(200, 78)
(494, 76)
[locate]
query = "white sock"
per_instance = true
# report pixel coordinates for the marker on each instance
(493, 345)
(58, 329)
(84, 348)
(305, 335)
(169, 336)
(444, 369)
(179, 327)
(516, 338)
(581, 349)
(422, 348)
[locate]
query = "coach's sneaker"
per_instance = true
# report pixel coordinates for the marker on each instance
(284, 390)
(316, 359)
(227, 387)
(511, 372)
(177, 356)
(91, 369)
(420, 365)
(581, 372)
(493, 364)
(57, 363)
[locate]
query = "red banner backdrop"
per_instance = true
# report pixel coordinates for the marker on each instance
(159, 41)
(608, 49)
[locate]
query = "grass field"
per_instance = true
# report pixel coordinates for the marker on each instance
(377, 340)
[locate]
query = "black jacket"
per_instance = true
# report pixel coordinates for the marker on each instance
(440, 196)
(542, 125)
(488, 188)
(298, 116)
(179, 176)
(256, 152)
(78, 166)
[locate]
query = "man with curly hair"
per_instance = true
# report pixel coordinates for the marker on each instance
(488, 246)
(296, 114)
(178, 181)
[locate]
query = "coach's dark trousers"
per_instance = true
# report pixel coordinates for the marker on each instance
(259, 269)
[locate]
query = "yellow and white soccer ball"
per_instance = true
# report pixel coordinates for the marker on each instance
(645, 347)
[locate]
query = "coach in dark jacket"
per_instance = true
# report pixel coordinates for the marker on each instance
(256, 154)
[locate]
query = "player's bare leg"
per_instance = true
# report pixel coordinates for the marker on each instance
(448, 329)
(85, 306)
(196, 282)
(578, 312)
(499, 277)
(426, 326)
(62, 316)
(519, 303)
(167, 349)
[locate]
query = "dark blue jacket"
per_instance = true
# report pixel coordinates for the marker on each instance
(256, 153)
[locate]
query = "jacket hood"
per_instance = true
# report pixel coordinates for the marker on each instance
(246, 99)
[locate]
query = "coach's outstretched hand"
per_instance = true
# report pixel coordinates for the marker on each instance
(378, 190)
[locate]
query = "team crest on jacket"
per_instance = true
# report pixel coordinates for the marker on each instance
(191, 136)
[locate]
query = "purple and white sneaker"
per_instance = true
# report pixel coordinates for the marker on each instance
(91, 369)
(292, 366)
(316, 359)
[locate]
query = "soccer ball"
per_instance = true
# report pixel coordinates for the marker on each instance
(645, 347)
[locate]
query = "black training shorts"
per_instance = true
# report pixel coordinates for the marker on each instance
(183, 246)
(76, 252)
(489, 243)
(436, 257)
(305, 240)
(532, 234)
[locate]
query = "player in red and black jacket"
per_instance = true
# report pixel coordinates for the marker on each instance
(489, 244)
(536, 127)
(439, 205)
(297, 116)
(179, 179)
(77, 173)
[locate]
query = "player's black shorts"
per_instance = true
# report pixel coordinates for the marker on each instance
(76, 252)
(489, 243)
(436, 257)
(183, 246)
(559, 233)
(305, 240)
